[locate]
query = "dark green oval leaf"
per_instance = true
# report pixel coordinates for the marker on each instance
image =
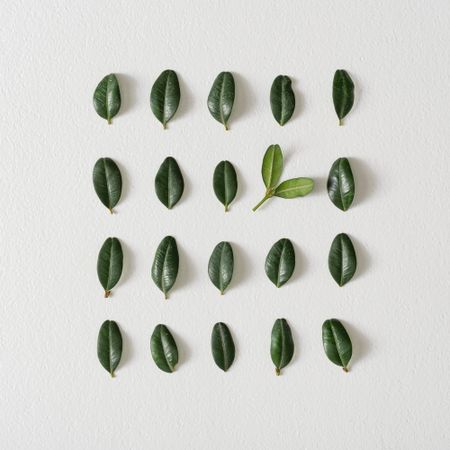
(343, 94)
(164, 349)
(272, 166)
(107, 182)
(109, 264)
(342, 259)
(340, 185)
(295, 187)
(109, 346)
(281, 345)
(165, 96)
(107, 97)
(280, 262)
(221, 98)
(225, 183)
(282, 99)
(165, 265)
(222, 346)
(221, 264)
(169, 183)
(336, 343)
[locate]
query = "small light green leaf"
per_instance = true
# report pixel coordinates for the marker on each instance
(225, 183)
(336, 343)
(169, 183)
(280, 262)
(340, 185)
(221, 264)
(109, 346)
(295, 187)
(164, 349)
(109, 264)
(107, 97)
(165, 96)
(282, 99)
(107, 182)
(222, 346)
(165, 265)
(272, 166)
(342, 259)
(343, 94)
(221, 98)
(281, 345)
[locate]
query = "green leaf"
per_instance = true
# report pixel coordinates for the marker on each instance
(295, 187)
(221, 98)
(280, 262)
(164, 349)
(220, 266)
(272, 166)
(107, 182)
(222, 346)
(107, 97)
(109, 264)
(343, 94)
(336, 343)
(282, 99)
(165, 265)
(109, 346)
(282, 345)
(225, 183)
(169, 183)
(340, 185)
(165, 96)
(342, 259)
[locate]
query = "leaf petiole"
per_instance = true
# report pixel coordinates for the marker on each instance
(265, 198)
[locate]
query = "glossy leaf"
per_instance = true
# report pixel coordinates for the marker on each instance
(295, 187)
(109, 346)
(280, 262)
(165, 265)
(225, 183)
(282, 99)
(221, 264)
(109, 264)
(336, 343)
(164, 349)
(221, 98)
(340, 185)
(282, 345)
(169, 183)
(343, 94)
(222, 346)
(107, 182)
(107, 97)
(342, 259)
(165, 96)
(272, 166)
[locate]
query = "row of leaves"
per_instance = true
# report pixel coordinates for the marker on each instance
(279, 265)
(164, 350)
(165, 97)
(169, 182)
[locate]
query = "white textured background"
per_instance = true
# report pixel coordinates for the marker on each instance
(55, 394)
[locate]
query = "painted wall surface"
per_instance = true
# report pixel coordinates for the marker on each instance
(55, 394)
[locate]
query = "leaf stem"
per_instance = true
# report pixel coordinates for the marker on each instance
(226, 208)
(107, 294)
(277, 371)
(111, 211)
(112, 374)
(266, 197)
(340, 122)
(345, 369)
(226, 127)
(109, 120)
(166, 297)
